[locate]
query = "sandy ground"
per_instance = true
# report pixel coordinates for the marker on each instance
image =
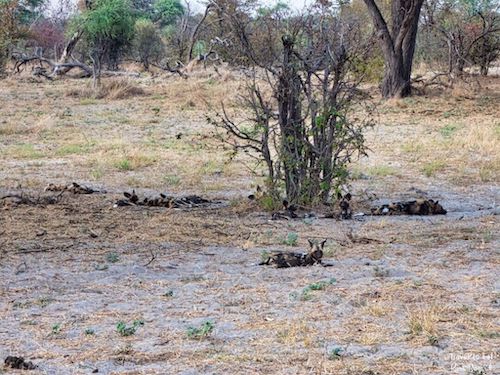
(405, 295)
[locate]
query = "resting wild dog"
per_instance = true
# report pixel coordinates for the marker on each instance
(290, 259)
(72, 188)
(416, 207)
(345, 208)
(163, 200)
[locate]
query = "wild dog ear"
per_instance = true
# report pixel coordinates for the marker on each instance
(127, 195)
(259, 189)
(436, 202)
(311, 242)
(163, 195)
(285, 203)
(323, 243)
(348, 196)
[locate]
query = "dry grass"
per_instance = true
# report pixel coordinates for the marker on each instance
(436, 266)
(113, 89)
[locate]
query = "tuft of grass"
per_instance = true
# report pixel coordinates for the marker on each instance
(306, 294)
(89, 331)
(172, 180)
(448, 130)
(201, 332)
(380, 272)
(124, 165)
(382, 171)
(291, 239)
(74, 149)
(431, 168)
(335, 354)
(124, 330)
(112, 257)
(113, 89)
(56, 328)
(25, 151)
(423, 321)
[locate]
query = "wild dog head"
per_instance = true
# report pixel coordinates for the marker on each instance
(436, 208)
(257, 195)
(316, 250)
(344, 204)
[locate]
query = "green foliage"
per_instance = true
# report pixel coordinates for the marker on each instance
(199, 48)
(56, 328)
(112, 257)
(200, 332)
(124, 330)
(147, 42)
(335, 354)
(306, 294)
(291, 239)
(108, 21)
(167, 11)
(372, 69)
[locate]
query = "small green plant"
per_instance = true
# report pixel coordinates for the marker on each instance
(335, 354)
(89, 331)
(448, 130)
(125, 330)
(433, 340)
(431, 168)
(200, 332)
(56, 328)
(291, 239)
(380, 272)
(112, 257)
(172, 180)
(101, 267)
(124, 165)
(306, 294)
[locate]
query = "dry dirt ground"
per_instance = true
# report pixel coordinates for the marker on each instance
(405, 295)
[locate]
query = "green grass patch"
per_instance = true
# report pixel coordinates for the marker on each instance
(448, 130)
(430, 169)
(25, 151)
(382, 171)
(201, 332)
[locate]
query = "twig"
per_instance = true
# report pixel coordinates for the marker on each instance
(153, 257)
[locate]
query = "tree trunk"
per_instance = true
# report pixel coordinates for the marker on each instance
(398, 45)
(290, 123)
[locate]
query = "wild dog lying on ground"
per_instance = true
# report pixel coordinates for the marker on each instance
(416, 207)
(163, 200)
(291, 259)
(19, 363)
(292, 211)
(72, 188)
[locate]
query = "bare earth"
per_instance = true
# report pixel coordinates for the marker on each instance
(405, 295)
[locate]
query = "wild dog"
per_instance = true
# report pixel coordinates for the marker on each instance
(163, 200)
(292, 259)
(416, 207)
(72, 188)
(259, 193)
(345, 208)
